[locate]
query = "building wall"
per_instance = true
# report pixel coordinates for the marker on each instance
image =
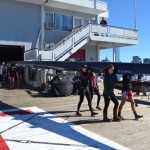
(52, 36)
(91, 53)
(19, 23)
(79, 55)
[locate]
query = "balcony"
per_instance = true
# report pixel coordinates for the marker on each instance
(107, 36)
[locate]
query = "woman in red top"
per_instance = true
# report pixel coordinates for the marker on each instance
(85, 81)
(95, 89)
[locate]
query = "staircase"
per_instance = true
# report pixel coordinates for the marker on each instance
(78, 38)
(71, 43)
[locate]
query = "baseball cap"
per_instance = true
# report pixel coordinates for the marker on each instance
(84, 66)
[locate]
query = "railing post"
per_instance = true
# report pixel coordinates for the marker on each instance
(37, 55)
(108, 31)
(73, 41)
(90, 28)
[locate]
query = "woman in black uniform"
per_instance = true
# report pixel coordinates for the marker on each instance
(127, 95)
(85, 81)
(110, 79)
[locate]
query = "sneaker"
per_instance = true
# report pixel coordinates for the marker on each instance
(93, 114)
(98, 108)
(78, 114)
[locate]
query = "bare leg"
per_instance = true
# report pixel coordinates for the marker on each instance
(131, 99)
(13, 82)
(123, 101)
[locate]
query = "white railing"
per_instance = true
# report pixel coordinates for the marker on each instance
(70, 42)
(83, 33)
(45, 55)
(76, 37)
(111, 31)
(31, 54)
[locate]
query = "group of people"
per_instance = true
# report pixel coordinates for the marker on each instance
(88, 86)
(11, 74)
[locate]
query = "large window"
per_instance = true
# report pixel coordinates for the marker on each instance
(77, 22)
(59, 22)
(49, 20)
(68, 23)
(63, 22)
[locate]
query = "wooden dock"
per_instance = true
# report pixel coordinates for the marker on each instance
(130, 133)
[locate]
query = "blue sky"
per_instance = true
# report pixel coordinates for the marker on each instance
(121, 13)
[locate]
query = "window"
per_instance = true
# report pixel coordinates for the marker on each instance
(58, 22)
(68, 23)
(86, 22)
(77, 22)
(63, 22)
(49, 20)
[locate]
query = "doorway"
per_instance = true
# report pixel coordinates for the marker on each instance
(11, 53)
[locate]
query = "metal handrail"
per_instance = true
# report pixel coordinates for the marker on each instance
(66, 38)
(79, 29)
(74, 42)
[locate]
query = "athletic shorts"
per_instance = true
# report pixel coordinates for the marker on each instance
(127, 94)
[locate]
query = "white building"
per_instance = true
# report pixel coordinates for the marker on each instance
(57, 29)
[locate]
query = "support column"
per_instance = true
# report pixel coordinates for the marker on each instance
(114, 52)
(98, 54)
(42, 25)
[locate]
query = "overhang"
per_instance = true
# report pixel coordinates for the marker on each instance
(94, 7)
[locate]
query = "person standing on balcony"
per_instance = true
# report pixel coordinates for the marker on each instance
(127, 95)
(85, 81)
(110, 79)
(103, 22)
(95, 89)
